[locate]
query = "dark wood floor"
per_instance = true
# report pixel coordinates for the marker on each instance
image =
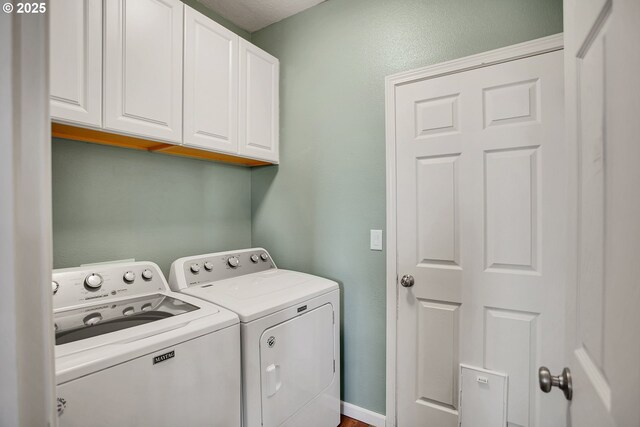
(350, 422)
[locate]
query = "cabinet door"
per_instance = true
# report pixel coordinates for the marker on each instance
(258, 131)
(76, 61)
(210, 84)
(143, 68)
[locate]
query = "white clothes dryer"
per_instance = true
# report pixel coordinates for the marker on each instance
(129, 352)
(290, 332)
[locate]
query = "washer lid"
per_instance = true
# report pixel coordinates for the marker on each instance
(91, 321)
(112, 344)
(259, 294)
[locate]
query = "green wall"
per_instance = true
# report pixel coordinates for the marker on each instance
(314, 211)
(114, 203)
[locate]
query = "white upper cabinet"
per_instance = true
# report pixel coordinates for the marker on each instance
(210, 84)
(76, 61)
(143, 68)
(258, 130)
(125, 72)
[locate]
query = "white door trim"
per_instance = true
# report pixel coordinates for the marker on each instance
(27, 377)
(505, 54)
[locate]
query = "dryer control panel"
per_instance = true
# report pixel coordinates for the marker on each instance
(105, 282)
(198, 269)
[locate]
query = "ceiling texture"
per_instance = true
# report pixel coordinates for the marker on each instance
(253, 15)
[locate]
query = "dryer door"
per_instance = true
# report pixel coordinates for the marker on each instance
(297, 363)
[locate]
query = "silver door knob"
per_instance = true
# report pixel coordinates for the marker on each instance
(407, 281)
(563, 381)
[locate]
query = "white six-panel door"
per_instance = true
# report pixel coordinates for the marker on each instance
(75, 29)
(143, 68)
(259, 102)
(603, 123)
(210, 84)
(481, 219)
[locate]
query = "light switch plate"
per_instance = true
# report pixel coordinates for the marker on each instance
(376, 240)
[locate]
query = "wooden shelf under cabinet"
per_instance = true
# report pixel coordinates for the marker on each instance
(75, 133)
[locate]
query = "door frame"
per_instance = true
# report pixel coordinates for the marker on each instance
(27, 379)
(510, 53)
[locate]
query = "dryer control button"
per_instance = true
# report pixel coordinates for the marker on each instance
(195, 268)
(264, 256)
(254, 258)
(233, 261)
(147, 274)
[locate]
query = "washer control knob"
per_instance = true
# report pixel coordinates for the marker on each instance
(129, 276)
(195, 268)
(254, 258)
(147, 274)
(128, 311)
(208, 266)
(93, 281)
(264, 256)
(54, 287)
(233, 261)
(92, 319)
(146, 307)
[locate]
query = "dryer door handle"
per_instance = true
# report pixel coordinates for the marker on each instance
(273, 379)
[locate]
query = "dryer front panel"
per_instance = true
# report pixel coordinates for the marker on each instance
(297, 361)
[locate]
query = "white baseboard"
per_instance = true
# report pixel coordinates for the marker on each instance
(361, 414)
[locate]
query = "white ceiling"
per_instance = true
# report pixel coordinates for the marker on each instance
(252, 15)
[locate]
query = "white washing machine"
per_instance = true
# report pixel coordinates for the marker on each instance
(290, 332)
(129, 352)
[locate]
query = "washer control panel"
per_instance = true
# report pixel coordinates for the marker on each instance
(223, 265)
(105, 282)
